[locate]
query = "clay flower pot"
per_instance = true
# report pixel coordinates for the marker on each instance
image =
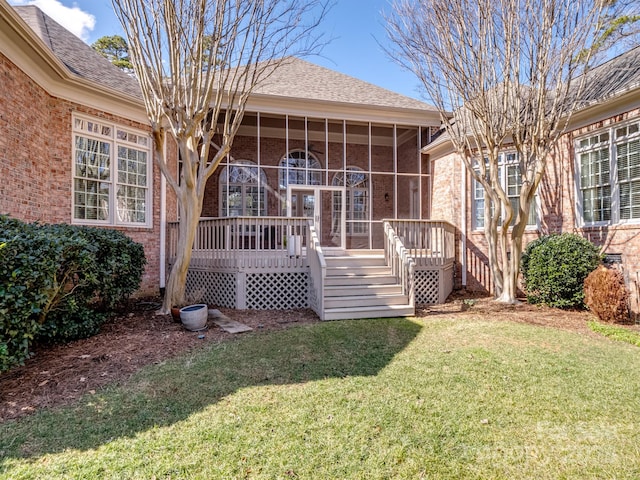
(194, 317)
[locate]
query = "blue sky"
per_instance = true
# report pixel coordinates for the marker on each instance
(356, 27)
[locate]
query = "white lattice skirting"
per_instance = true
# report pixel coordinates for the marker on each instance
(213, 288)
(433, 286)
(256, 291)
(288, 290)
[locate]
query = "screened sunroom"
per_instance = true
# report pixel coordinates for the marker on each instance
(314, 180)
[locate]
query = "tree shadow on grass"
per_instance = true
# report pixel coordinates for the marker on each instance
(163, 395)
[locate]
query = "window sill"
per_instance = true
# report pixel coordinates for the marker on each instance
(119, 226)
(530, 229)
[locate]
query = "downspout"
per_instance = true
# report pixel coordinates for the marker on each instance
(463, 227)
(163, 223)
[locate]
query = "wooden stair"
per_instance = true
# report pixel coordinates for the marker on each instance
(362, 286)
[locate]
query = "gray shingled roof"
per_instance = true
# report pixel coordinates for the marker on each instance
(298, 78)
(612, 78)
(77, 56)
(608, 80)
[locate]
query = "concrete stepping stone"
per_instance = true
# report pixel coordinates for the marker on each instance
(227, 324)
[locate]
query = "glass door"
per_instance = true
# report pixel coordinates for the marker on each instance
(325, 206)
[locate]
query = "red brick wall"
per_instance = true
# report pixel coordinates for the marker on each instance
(273, 149)
(36, 162)
(557, 200)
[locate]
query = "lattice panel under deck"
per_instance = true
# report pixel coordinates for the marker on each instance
(427, 285)
(277, 291)
(217, 288)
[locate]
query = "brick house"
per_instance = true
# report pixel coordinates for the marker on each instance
(592, 188)
(323, 201)
(60, 101)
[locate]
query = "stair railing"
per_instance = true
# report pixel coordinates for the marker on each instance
(401, 263)
(317, 272)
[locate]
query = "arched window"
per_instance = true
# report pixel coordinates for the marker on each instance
(299, 167)
(242, 190)
(356, 182)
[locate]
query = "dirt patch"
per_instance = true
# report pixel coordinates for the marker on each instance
(522, 312)
(59, 375)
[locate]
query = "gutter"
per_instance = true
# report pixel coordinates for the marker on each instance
(463, 226)
(163, 223)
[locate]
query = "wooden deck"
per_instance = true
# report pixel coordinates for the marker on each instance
(277, 263)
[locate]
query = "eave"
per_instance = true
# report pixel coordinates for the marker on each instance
(283, 105)
(31, 55)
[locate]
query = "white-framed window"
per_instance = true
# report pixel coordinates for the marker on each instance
(299, 167)
(242, 190)
(510, 179)
(356, 183)
(608, 162)
(111, 173)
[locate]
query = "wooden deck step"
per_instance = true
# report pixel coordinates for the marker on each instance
(369, 312)
(363, 286)
(364, 289)
(365, 301)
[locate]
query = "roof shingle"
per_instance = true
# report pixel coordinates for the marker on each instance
(297, 78)
(77, 56)
(294, 78)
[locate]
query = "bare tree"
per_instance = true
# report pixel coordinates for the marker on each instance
(504, 74)
(198, 62)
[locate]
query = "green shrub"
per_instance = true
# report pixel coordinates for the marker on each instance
(120, 264)
(56, 281)
(606, 295)
(28, 265)
(554, 268)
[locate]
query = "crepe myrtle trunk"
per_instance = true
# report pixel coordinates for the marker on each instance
(175, 289)
(190, 194)
(505, 77)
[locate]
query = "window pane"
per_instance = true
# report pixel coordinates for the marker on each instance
(132, 182)
(92, 158)
(357, 200)
(91, 183)
(131, 204)
(91, 200)
(628, 157)
(243, 192)
(512, 183)
(595, 180)
(299, 168)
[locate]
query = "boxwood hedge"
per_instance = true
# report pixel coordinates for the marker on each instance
(554, 268)
(58, 282)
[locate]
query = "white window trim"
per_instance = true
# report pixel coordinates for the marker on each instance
(283, 169)
(613, 142)
(112, 219)
(503, 180)
(261, 183)
(348, 192)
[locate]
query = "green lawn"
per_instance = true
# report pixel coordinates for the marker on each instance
(435, 398)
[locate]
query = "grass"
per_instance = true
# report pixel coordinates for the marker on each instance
(614, 332)
(372, 399)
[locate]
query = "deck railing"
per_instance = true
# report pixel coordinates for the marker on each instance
(402, 264)
(318, 272)
(248, 243)
(428, 242)
(245, 243)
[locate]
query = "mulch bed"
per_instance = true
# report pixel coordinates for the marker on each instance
(59, 375)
